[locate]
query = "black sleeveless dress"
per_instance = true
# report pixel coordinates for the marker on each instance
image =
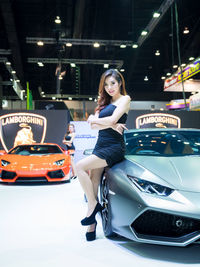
(110, 144)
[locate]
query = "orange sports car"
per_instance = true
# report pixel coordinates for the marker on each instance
(35, 163)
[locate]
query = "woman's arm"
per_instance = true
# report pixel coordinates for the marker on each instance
(122, 108)
(118, 127)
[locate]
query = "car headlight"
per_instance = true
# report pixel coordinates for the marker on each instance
(151, 188)
(59, 162)
(4, 162)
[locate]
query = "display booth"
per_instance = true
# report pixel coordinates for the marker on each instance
(50, 126)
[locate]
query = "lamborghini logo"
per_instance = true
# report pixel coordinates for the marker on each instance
(158, 120)
(22, 128)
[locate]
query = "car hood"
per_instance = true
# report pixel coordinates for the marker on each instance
(182, 173)
(19, 162)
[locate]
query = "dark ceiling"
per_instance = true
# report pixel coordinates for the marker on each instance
(116, 20)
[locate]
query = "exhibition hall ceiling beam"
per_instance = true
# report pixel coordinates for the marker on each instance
(34, 40)
(117, 63)
(154, 21)
(12, 36)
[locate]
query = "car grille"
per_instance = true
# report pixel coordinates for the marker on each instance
(8, 175)
(31, 179)
(163, 224)
(56, 174)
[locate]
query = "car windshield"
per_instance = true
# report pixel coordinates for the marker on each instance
(35, 150)
(163, 143)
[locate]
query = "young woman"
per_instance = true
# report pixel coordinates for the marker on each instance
(109, 119)
(68, 141)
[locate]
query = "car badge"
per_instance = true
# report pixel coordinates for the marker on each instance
(22, 128)
(158, 120)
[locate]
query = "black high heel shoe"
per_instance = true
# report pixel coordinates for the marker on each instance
(90, 236)
(91, 219)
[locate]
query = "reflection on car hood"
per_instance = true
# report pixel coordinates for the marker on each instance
(181, 172)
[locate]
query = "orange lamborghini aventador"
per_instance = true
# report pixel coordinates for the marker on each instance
(35, 163)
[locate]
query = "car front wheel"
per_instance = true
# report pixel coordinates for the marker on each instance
(106, 213)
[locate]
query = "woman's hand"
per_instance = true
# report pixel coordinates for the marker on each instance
(119, 127)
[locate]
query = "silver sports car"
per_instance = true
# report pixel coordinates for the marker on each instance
(153, 196)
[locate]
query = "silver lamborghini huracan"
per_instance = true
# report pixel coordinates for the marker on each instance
(153, 195)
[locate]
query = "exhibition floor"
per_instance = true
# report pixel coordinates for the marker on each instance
(40, 226)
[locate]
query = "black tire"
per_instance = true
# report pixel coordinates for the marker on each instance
(106, 212)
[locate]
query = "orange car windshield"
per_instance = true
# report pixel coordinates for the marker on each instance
(36, 150)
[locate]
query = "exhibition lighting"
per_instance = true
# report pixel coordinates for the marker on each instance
(96, 44)
(156, 15)
(106, 66)
(191, 58)
(8, 63)
(122, 46)
(73, 65)
(168, 74)
(134, 46)
(175, 66)
(90, 98)
(122, 70)
(40, 43)
(157, 53)
(183, 65)
(40, 64)
(186, 30)
(68, 44)
(57, 20)
(143, 33)
(13, 72)
(70, 98)
(146, 78)
(163, 77)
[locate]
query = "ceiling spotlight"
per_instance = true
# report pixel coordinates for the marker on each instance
(106, 66)
(40, 64)
(42, 93)
(90, 98)
(183, 65)
(60, 77)
(146, 78)
(53, 98)
(157, 53)
(69, 98)
(168, 74)
(122, 46)
(40, 43)
(96, 44)
(175, 66)
(68, 44)
(122, 70)
(73, 65)
(17, 81)
(57, 20)
(8, 63)
(163, 77)
(143, 33)
(186, 30)
(13, 71)
(135, 46)
(191, 58)
(156, 15)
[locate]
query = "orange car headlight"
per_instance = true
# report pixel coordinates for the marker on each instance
(59, 162)
(4, 162)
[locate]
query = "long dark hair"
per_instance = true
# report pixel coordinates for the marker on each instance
(70, 124)
(104, 97)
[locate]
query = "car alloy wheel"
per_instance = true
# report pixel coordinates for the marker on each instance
(106, 213)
